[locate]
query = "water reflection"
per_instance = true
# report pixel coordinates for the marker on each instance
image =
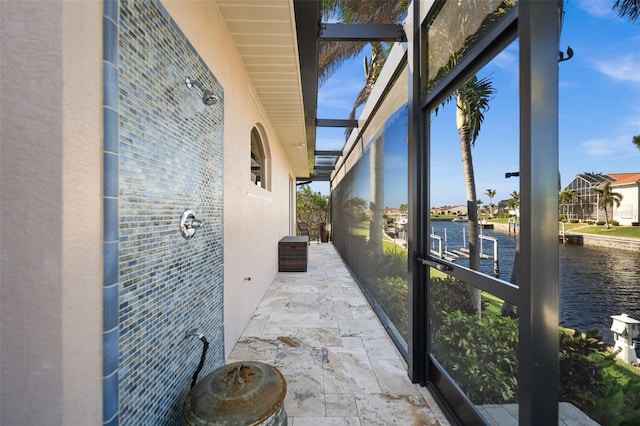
(454, 237)
(595, 282)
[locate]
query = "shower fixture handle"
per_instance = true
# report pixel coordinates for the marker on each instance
(189, 224)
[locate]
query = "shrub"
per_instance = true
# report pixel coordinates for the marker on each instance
(385, 277)
(582, 359)
(635, 223)
(311, 207)
(574, 221)
(391, 294)
(449, 295)
(614, 223)
(600, 222)
(480, 356)
(619, 404)
(605, 389)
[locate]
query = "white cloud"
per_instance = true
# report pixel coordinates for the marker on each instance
(598, 147)
(622, 68)
(339, 95)
(633, 122)
(508, 59)
(619, 146)
(600, 8)
(567, 84)
(330, 143)
(395, 162)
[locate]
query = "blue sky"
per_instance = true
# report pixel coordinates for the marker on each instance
(599, 104)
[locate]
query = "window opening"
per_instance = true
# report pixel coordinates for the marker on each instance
(259, 160)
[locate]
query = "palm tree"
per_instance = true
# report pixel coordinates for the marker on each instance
(607, 198)
(472, 97)
(514, 202)
(334, 53)
(490, 193)
(568, 197)
(472, 100)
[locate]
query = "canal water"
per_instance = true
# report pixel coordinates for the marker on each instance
(595, 282)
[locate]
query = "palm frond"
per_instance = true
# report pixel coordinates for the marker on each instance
(333, 54)
(629, 8)
(478, 94)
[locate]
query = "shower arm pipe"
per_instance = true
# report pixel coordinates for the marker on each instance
(203, 355)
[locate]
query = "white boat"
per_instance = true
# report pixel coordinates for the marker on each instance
(401, 222)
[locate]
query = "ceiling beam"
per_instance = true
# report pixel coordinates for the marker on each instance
(307, 15)
(310, 32)
(362, 32)
(330, 153)
(326, 122)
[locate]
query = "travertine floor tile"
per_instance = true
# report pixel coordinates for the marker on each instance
(381, 409)
(349, 371)
(305, 396)
(326, 421)
(340, 366)
(340, 405)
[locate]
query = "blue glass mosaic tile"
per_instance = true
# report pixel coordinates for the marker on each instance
(111, 9)
(110, 396)
(110, 130)
(110, 41)
(110, 175)
(170, 157)
(110, 206)
(110, 312)
(110, 77)
(110, 263)
(110, 347)
(112, 422)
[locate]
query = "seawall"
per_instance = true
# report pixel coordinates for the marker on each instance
(628, 244)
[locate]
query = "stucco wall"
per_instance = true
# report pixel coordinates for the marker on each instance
(254, 219)
(51, 229)
(51, 220)
(627, 212)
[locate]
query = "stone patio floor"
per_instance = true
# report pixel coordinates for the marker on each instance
(340, 366)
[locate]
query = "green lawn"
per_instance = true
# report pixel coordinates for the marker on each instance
(504, 220)
(614, 231)
(362, 229)
(494, 304)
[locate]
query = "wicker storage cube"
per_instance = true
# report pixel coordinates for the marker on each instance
(292, 254)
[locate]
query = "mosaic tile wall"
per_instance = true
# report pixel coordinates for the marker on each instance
(168, 158)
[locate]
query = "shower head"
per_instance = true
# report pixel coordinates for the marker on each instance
(208, 98)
